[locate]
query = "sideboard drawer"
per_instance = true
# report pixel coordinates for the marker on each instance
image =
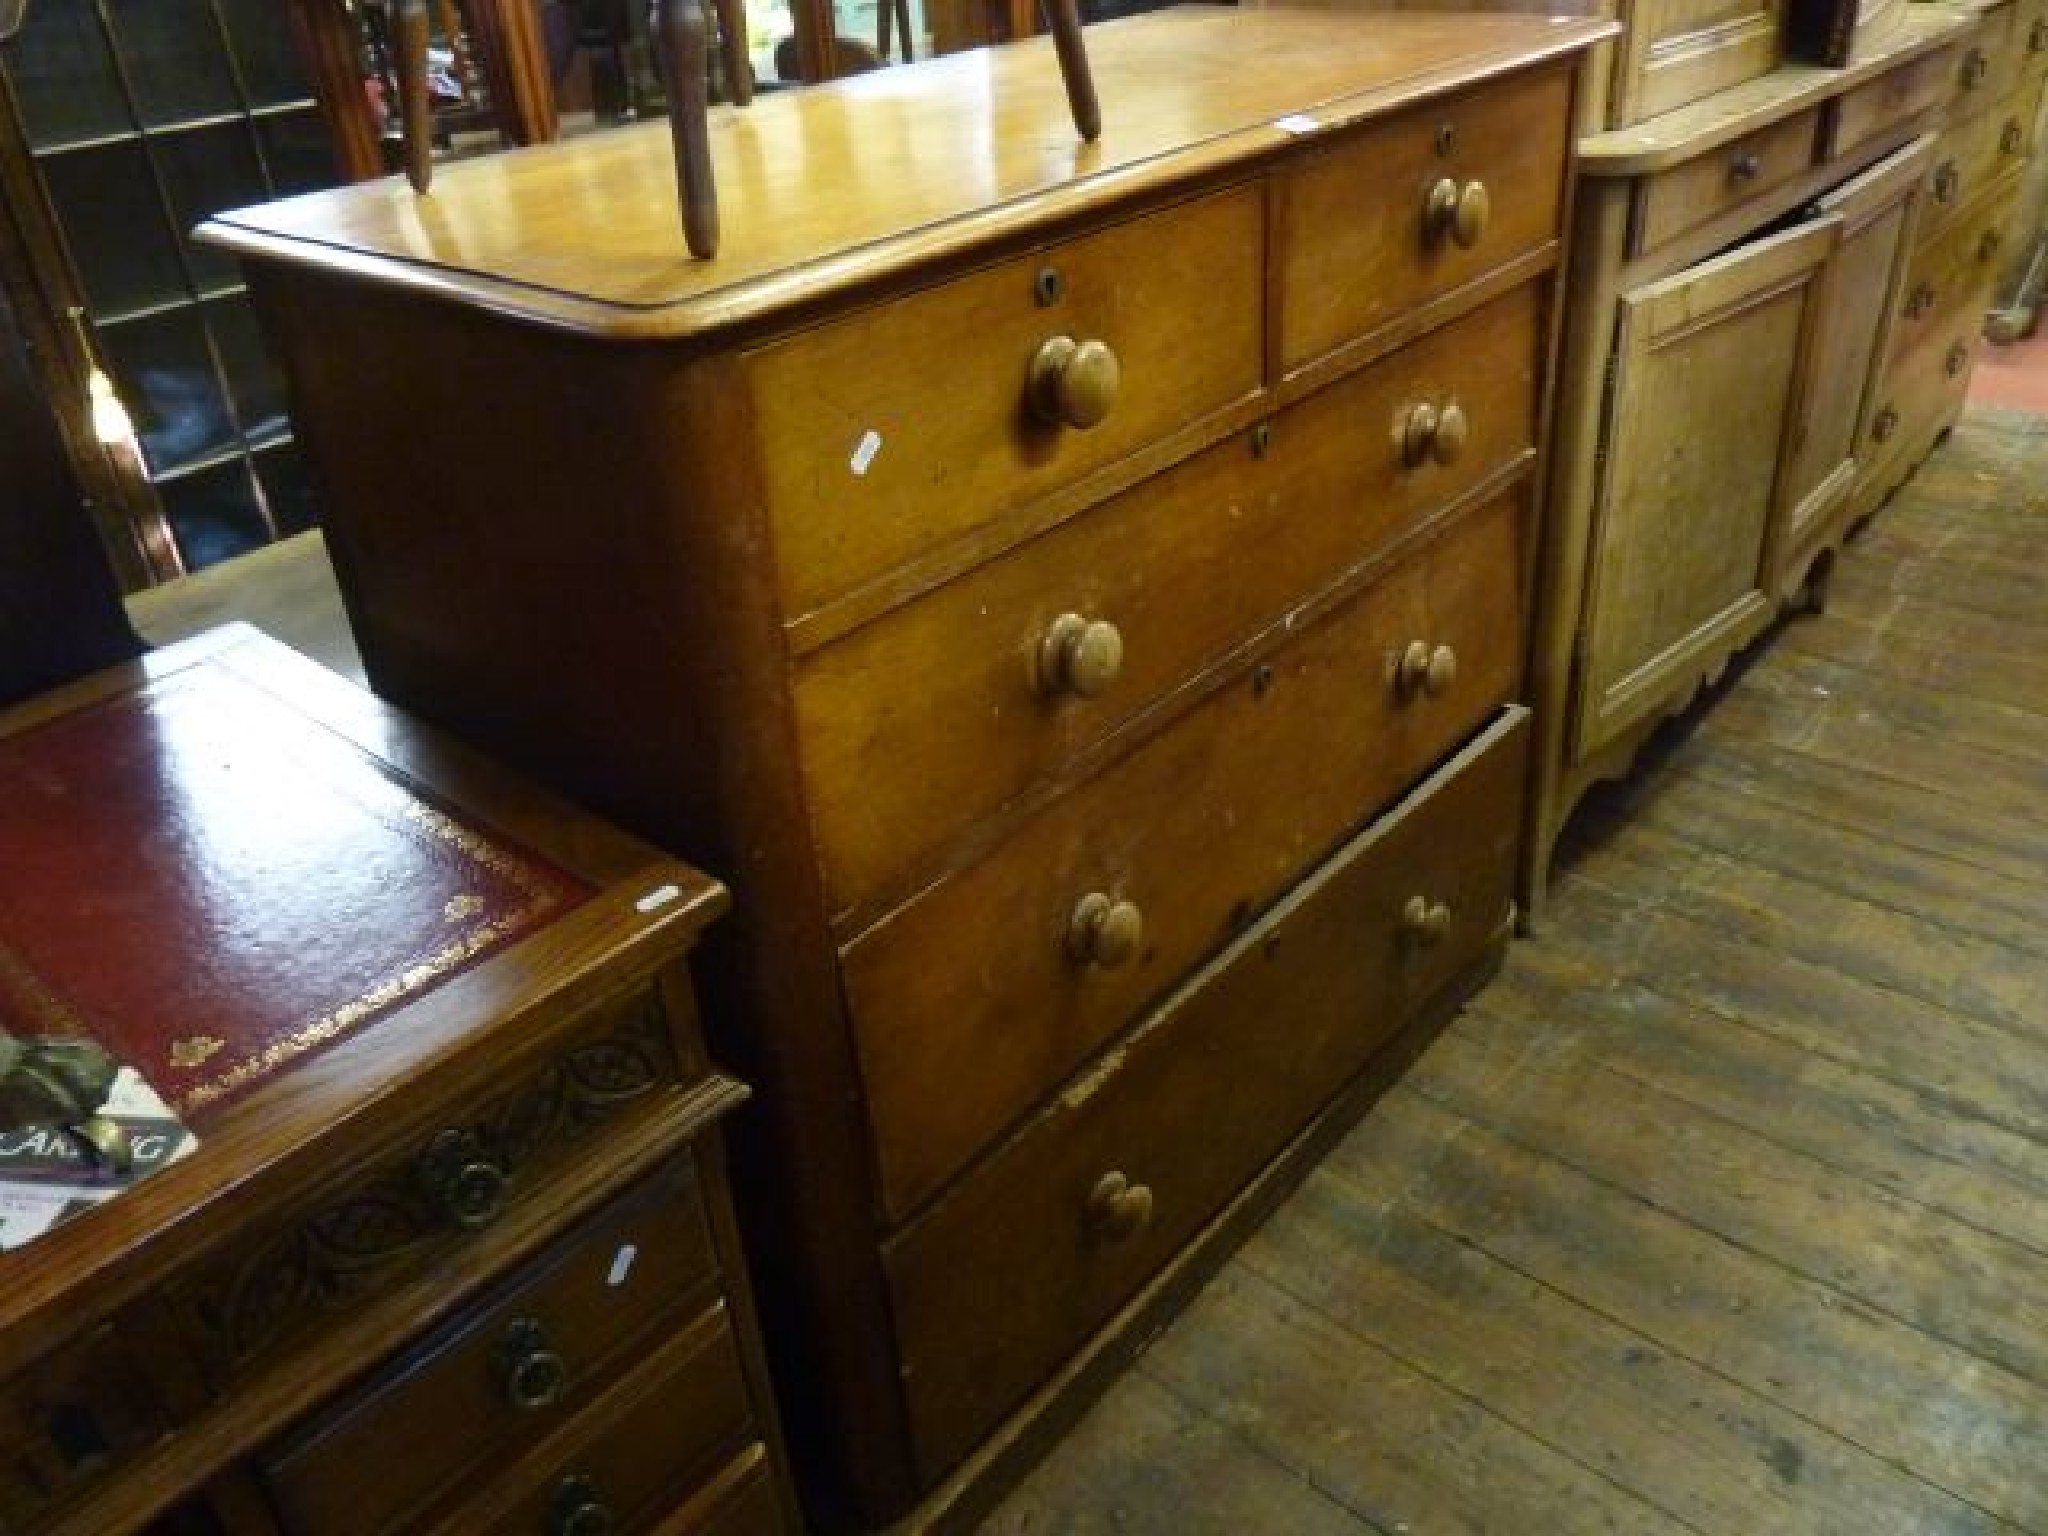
(505, 1374)
(1703, 188)
(1075, 1212)
(976, 998)
(1976, 157)
(1951, 273)
(633, 1456)
(1890, 104)
(285, 1282)
(933, 716)
(884, 435)
(1404, 211)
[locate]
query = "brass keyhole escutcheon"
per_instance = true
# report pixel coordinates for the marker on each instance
(1117, 1208)
(1446, 139)
(1049, 287)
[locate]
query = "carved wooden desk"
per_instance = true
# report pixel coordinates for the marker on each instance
(1072, 592)
(455, 1251)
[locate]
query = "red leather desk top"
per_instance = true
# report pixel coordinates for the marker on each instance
(211, 884)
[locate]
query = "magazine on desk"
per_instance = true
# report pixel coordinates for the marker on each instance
(48, 1175)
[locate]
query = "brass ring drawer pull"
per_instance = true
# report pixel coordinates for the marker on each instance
(1117, 1208)
(579, 1511)
(1430, 670)
(1423, 432)
(1461, 212)
(1079, 656)
(460, 1180)
(532, 1375)
(1425, 923)
(1073, 383)
(1105, 931)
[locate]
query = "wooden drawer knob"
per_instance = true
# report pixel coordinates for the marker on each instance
(1975, 67)
(1423, 432)
(1105, 931)
(2012, 138)
(1117, 1208)
(1884, 424)
(1988, 244)
(1920, 300)
(1745, 167)
(1957, 360)
(1426, 669)
(577, 1510)
(1079, 656)
(1948, 181)
(1461, 212)
(1424, 922)
(2037, 36)
(1073, 383)
(531, 1374)
(461, 1181)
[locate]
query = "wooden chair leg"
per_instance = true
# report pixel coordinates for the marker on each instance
(680, 30)
(415, 107)
(732, 37)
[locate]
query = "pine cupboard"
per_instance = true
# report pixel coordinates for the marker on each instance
(1075, 596)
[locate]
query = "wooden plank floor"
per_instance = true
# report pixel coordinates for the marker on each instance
(1725, 1210)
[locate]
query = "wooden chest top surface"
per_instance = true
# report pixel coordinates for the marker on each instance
(836, 187)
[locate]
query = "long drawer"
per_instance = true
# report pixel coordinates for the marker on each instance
(975, 999)
(1013, 1269)
(505, 1374)
(1404, 211)
(886, 434)
(937, 714)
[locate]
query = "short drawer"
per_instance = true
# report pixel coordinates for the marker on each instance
(1889, 105)
(625, 1462)
(1924, 388)
(1673, 202)
(1013, 1270)
(932, 717)
(1976, 157)
(505, 1375)
(72, 1418)
(889, 433)
(284, 1282)
(973, 1000)
(1988, 62)
(1951, 273)
(1404, 211)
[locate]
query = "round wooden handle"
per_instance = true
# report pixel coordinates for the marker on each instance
(2012, 138)
(1117, 1208)
(1423, 432)
(1988, 244)
(1074, 383)
(1425, 922)
(2037, 37)
(1453, 427)
(1079, 656)
(1105, 931)
(1957, 360)
(1426, 669)
(1461, 212)
(1884, 424)
(1947, 182)
(1975, 67)
(1920, 300)
(1745, 167)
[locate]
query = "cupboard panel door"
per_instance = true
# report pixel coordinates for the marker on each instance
(1704, 395)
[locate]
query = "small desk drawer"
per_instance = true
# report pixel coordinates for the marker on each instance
(282, 1283)
(628, 1459)
(1016, 1266)
(1890, 104)
(1361, 239)
(932, 717)
(1988, 150)
(503, 1376)
(1673, 202)
(889, 433)
(975, 999)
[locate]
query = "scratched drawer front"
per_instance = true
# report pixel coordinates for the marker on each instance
(1356, 246)
(976, 998)
(1014, 1268)
(927, 720)
(506, 1374)
(1890, 104)
(629, 1459)
(889, 433)
(281, 1283)
(1673, 202)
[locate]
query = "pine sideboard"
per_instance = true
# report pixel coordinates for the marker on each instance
(1072, 593)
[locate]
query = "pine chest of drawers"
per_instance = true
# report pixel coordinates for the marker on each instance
(1073, 594)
